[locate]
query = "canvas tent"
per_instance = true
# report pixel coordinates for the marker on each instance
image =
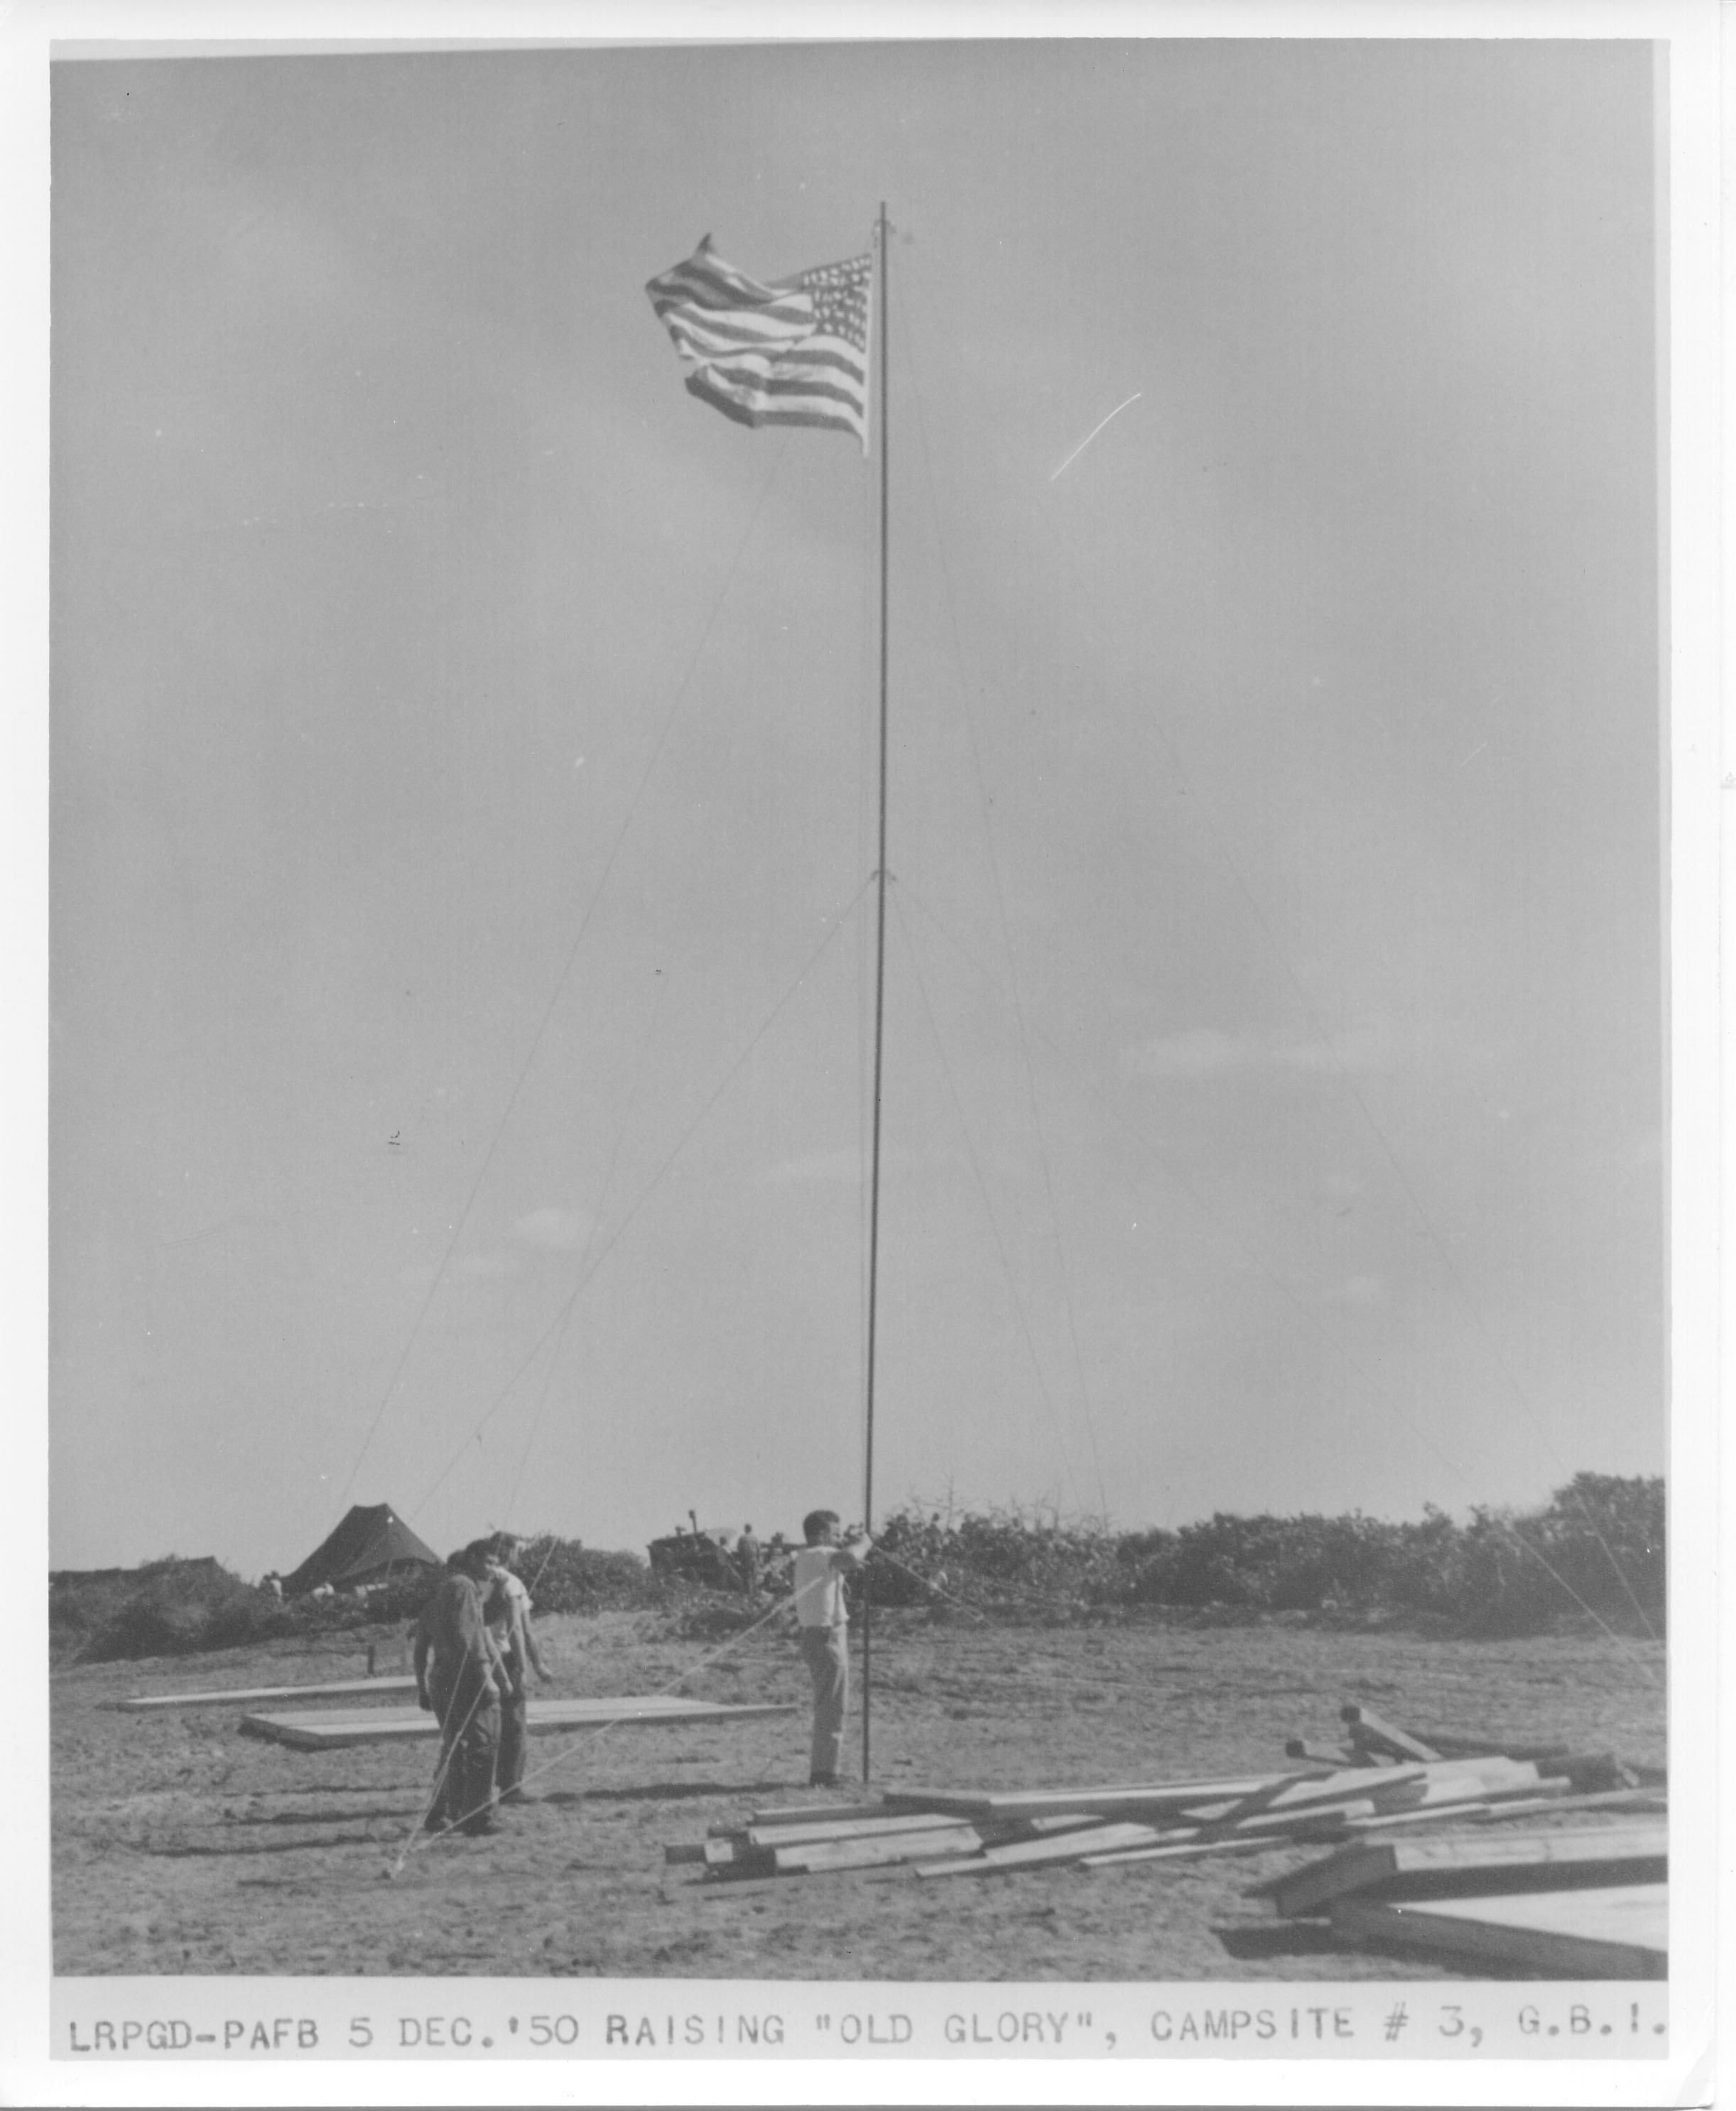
(371, 1544)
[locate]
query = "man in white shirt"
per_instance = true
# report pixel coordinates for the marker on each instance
(822, 1623)
(506, 1609)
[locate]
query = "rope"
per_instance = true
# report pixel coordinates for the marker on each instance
(1390, 1406)
(993, 1222)
(584, 925)
(417, 1839)
(656, 1178)
(985, 808)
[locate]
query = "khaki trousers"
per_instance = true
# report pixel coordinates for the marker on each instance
(470, 1741)
(826, 1651)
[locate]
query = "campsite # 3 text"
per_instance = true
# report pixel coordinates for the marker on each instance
(495, 2020)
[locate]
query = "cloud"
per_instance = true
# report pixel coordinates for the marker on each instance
(1203, 1051)
(486, 1266)
(1207, 1051)
(818, 1165)
(562, 1230)
(1358, 1290)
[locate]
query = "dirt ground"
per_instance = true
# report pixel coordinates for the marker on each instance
(181, 1847)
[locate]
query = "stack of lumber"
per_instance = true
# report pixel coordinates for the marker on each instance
(1371, 1796)
(1582, 1900)
(941, 1832)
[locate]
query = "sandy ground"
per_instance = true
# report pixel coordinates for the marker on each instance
(181, 1847)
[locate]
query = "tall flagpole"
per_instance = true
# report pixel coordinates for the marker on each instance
(879, 1023)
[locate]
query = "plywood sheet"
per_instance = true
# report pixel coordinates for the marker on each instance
(1619, 1931)
(321, 1731)
(1477, 1862)
(250, 1696)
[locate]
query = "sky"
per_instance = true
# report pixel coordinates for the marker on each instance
(463, 792)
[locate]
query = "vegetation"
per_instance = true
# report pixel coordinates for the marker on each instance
(176, 1608)
(1592, 1556)
(567, 1578)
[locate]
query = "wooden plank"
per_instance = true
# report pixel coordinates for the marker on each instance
(317, 1730)
(1327, 1755)
(1098, 1802)
(828, 1854)
(686, 1851)
(797, 1813)
(243, 1696)
(1613, 1799)
(1182, 1851)
(1369, 1729)
(1455, 1747)
(1445, 1798)
(848, 1829)
(1411, 1868)
(1619, 1933)
(1035, 1854)
(1435, 1815)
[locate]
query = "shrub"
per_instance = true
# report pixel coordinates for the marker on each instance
(176, 1607)
(1595, 1552)
(565, 1576)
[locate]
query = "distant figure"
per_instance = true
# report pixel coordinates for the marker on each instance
(458, 1675)
(823, 1620)
(747, 1560)
(506, 1609)
(273, 1583)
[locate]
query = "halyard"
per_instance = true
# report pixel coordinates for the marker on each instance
(181, 1847)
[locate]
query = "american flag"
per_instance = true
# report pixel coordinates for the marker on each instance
(794, 353)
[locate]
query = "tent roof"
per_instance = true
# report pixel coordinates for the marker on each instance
(371, 1537)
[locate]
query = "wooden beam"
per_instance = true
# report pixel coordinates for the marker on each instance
(1451, 1746)
(1327, 1755)
(244, 1696)
(828, 1854)
(1618, 1932)
(799, 1814)
(1034, 1853)
(1369, 1730)
(319, 1731)
(1613, 1799)
(1098, 1802)
(846, 1829)
(1470, 1861)
(1183, 1851)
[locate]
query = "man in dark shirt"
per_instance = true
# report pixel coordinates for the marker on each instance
(458, 1675)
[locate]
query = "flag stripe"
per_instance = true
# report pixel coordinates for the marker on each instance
(792, 353)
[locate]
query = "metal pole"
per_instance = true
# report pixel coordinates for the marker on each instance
(879, 1023)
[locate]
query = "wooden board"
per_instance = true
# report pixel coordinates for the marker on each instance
(796, 1813)
(1034, 1854)
(1613, 1799)
(1369, 1731)
(828, 1854)
(318, 1731)
(1096, 1802)
(843, 1828)
(1481, 1861)
(1451, 1747)
(1621, 1932)
(1181, 1850)
(248, 1696)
